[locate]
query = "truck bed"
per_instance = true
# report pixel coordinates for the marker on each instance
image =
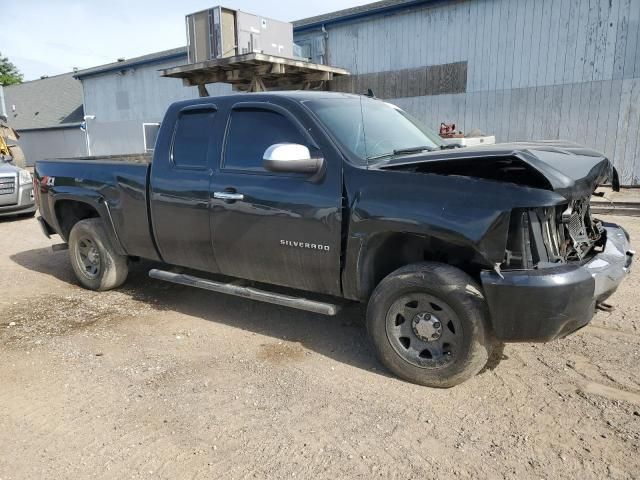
(117, 184)
(128, 158)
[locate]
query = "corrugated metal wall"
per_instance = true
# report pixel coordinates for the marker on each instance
(52, 143)
(536, 69)
(122, 102)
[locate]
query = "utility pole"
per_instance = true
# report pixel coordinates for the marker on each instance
(86, 132)
(3, 107)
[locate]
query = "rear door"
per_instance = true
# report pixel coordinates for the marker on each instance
(276, 228)
(180, 177)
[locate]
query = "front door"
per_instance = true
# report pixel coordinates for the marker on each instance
(276, 228)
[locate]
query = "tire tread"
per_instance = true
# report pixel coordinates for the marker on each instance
(115, 268)
(462, 294)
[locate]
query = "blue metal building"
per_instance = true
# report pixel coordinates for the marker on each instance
(125, 100)
(519, 69)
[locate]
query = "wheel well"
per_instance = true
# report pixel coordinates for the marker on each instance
(70, 212)
(388, 252)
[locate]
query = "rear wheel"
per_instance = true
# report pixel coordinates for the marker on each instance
(429, 324)
(95, 262)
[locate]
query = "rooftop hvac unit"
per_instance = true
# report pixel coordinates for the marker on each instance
(222, 32)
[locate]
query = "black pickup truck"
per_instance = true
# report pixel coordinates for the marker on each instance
(348, 198)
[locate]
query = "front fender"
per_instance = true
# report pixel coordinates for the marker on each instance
(466, 218)
(388, 246)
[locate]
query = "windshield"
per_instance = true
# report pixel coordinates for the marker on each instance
(373, 130)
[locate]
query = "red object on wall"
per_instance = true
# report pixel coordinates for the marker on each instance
(448, 130)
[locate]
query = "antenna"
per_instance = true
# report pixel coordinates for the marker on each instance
(364, 133)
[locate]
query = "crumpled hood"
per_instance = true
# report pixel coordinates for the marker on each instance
(569, 169)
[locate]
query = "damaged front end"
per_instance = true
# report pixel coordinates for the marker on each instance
(548, 236)
(559, 264)
(558, 261)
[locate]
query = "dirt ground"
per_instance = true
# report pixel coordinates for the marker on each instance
(163, 381)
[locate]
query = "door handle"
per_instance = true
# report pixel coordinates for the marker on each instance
(228, 196)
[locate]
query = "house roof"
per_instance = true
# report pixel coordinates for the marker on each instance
(52, 102)
(348, 14)
(134, 62)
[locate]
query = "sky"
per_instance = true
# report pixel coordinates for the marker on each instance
(49, 37)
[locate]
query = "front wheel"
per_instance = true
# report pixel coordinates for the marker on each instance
(429, 324)
(95, 262)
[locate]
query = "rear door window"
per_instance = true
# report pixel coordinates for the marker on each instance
(191, 139)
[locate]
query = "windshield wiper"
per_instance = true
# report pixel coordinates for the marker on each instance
(402, 151)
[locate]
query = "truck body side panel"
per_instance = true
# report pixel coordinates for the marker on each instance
(117, 190)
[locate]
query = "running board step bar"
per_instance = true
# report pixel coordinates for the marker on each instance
(246, 292)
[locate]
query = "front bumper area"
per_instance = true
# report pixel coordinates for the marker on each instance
(25, 204)
(541, 305)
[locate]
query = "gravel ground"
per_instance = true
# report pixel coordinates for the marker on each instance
(163, 381)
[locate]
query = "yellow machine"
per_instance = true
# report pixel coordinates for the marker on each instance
(4, 149)
(9, 146)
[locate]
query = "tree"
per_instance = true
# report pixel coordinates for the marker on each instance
(9, 73)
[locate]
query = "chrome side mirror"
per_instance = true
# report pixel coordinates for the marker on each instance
(291, 158)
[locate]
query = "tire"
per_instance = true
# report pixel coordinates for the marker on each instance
(429, 324)
(94, 260)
